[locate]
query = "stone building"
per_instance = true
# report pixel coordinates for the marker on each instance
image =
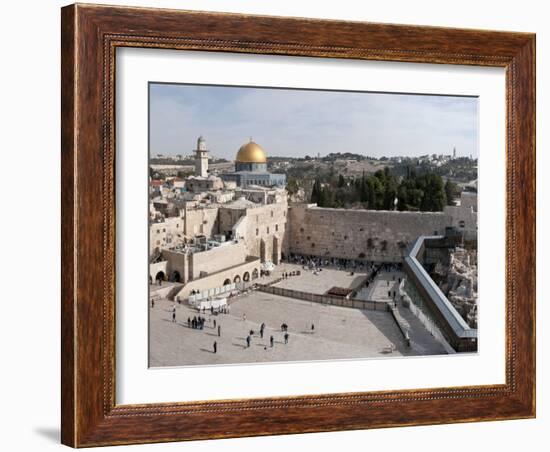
(228, 227)
(166, 233)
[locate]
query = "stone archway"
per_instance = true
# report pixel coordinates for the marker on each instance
(237, 279)
(176, 277)
(255, 273)
(227, 282)
(160, 276)
(246, 277)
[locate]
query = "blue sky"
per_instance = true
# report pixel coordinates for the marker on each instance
(287, 122)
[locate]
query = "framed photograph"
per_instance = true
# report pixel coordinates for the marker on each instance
(282, 225)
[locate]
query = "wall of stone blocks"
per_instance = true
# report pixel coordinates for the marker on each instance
(177, 262)
(201, 221)
(464, 218)
(165, 234)
(217, 259)
(154, 269)
(359, 234)
(266, 230)
(227, 218)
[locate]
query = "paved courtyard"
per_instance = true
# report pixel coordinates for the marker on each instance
(318, 282)
(339, 333)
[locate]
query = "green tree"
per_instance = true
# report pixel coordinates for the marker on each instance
(434, 199)
(451, 192)
(316, 191)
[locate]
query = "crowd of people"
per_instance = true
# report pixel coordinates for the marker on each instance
(361, 265)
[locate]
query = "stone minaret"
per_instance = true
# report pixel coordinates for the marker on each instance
(201, 158)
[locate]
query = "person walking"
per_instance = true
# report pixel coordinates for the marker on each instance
(312, 328)
(219, 330)
(188, 322)
(271, 340)
(152, 303)
(286, 338)
(174, 315)
(214, 323)
(247, 341)
(215, 347)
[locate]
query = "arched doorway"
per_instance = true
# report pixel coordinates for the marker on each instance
(237, 279)
(160, 276)
(176, 276)
(246, 277)
(227, 282)
(255, 273)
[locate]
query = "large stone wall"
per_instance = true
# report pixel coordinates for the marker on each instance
(227, 218)
(177, 262)
(359, 234)
(197, 265)
(216, 259)
(201, 221)
(166, 233)
(463, 218)
(156, 269)
(263, 229)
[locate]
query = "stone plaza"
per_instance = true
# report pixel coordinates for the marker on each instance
(339, 332)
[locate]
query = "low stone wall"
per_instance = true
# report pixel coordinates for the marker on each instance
(325, 299)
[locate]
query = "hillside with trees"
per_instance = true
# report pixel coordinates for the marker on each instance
(384, 191)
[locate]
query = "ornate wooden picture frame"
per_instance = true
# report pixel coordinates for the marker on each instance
(90, 37)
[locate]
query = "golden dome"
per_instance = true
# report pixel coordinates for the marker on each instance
(251, 153)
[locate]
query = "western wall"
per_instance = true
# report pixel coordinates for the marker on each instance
(374, 235)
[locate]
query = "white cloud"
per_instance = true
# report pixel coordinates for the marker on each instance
(298, 122)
